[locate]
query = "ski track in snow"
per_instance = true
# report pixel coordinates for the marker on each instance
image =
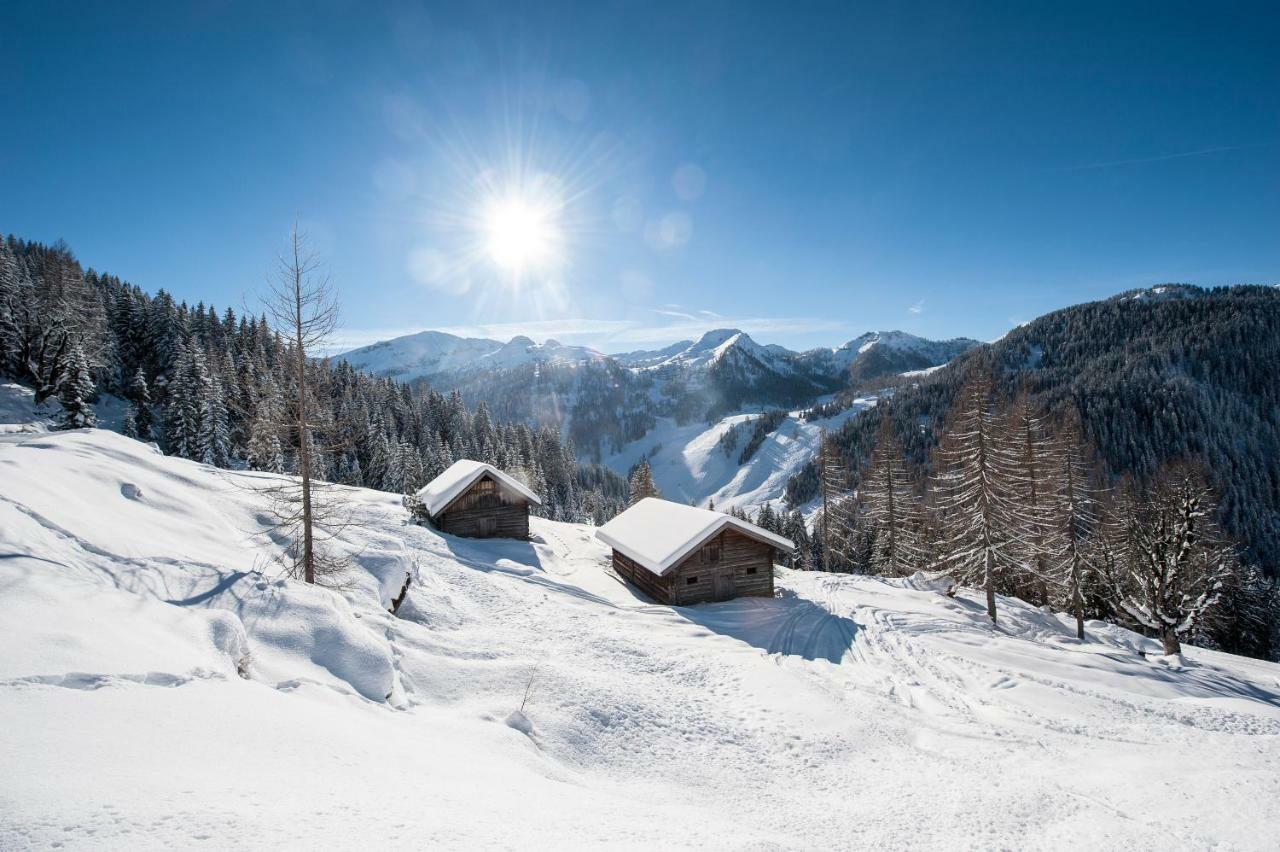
(846, 712)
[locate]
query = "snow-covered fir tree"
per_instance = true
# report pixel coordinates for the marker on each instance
(76, 391)
(641, 483)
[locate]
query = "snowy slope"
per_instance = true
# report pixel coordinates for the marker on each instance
(689, 465)
(847, 712)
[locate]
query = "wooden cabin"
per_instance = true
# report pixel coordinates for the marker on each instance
(477, 500)
(679, 554)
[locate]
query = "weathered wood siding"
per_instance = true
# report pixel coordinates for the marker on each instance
(658, 588)
(744, 567)
(480, 512)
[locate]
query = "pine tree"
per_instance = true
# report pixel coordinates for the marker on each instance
(140, 406)
(213, 445)
(641, 484)
(75, 390)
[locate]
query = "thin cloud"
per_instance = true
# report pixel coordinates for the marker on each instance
(917, 308)
(1162, 157)
(671, 313)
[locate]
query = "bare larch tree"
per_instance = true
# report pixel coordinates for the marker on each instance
(976, 490)
(303, 308)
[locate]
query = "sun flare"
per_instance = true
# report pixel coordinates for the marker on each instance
(520, 235)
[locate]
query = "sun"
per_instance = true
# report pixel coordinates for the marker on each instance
(521, 235)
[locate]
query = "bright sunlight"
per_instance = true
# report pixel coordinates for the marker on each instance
(521, 235)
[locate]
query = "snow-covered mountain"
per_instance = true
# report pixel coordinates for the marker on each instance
(882, 353)
(161, 686)
(667, 405)
(435, 353)
(715, 347)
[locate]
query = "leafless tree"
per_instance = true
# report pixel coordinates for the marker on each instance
(836, 520)
(303, 308)
(976, 493)
(887, 506)
(1080, 539)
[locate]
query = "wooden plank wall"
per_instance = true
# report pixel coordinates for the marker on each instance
(738, 555)
(658, 588)
(464, 516)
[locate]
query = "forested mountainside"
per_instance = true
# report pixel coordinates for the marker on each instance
(214, 388)
(1155, 376)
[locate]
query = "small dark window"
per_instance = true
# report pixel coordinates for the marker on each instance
(711, 553)
(484, 486)
(751, 570)
(692, 581)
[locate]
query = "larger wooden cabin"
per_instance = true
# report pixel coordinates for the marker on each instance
(477, 500)
(679, 554)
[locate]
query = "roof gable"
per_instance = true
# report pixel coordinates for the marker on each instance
(659, 534)
(437, 494)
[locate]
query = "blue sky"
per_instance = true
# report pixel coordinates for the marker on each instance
(804, 171)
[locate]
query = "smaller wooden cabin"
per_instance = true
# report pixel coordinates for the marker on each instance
(679, 554)
(477, 500)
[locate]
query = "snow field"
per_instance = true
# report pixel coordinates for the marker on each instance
(847, 712)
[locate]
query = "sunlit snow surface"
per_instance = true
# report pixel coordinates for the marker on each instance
(847, 712)
(689, 465)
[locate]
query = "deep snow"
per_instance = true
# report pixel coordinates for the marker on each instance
(847, 712)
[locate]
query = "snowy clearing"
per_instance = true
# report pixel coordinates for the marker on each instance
(847, 712)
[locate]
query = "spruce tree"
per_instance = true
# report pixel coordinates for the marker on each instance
(75, 391)
(641, 483)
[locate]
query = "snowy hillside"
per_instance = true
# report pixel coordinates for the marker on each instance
(690, 466)
(158, 690)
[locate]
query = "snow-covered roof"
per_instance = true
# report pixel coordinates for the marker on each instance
(441, 491)
(659, 534)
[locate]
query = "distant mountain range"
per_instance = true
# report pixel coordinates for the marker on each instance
(669, 405)
(436, 355)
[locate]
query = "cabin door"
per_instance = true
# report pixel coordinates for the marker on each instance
(723, 585)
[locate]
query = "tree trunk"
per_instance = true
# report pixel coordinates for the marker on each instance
(304, 437)
(990, 584)
(1169, 638)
